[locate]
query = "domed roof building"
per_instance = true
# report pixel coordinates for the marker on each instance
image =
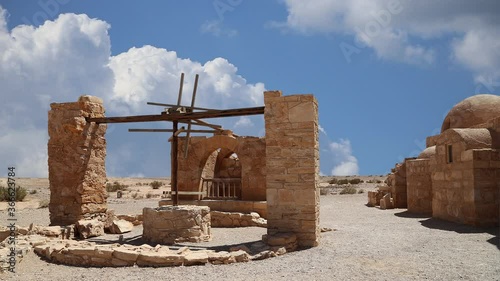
(457, 177)
(472, 112)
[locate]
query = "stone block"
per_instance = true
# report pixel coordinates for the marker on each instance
(120, 227)
(89, 228)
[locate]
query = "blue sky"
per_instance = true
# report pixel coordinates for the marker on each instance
(385, 72)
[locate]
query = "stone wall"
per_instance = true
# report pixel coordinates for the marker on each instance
(76, 151)
(486, 163)
(251, 153)
(292, 162)
(452, 186)
(466, 189)
(240, 206)
(419, 186)
(397, 183)
(174, 224)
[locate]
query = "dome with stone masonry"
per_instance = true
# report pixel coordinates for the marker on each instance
(472, 111)
(427, 153)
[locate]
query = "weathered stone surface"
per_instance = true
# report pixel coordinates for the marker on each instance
(51, 231)
(196, 258)
(89, 228)
(240, 256)
(125, 255)
(120, 226)
(386, 202)
(292, 163)
(284, 239)
(220, 257)
(134, 219)
(76, 152)
(174, 224)
(231, 219)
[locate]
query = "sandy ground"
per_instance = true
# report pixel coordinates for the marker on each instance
(368, 244)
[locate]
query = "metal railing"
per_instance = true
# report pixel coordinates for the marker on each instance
(222, 188)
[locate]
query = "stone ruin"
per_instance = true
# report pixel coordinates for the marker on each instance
(457, 176)
(77, 151)
(275, 177)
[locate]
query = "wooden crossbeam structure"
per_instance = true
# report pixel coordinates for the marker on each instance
(176, 113)
(181, 116)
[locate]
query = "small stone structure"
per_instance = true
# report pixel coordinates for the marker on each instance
(457, 177)
(174, 224)
(282, 170)
(292, 163)
(76, 151)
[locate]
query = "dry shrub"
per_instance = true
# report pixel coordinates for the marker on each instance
(355, 181)
(43, 204)
(21, 192)
(342, 181)
(348, 190)
(115, 187)
(156, 184)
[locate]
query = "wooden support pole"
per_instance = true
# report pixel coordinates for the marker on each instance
(174, 164)
(186, 147)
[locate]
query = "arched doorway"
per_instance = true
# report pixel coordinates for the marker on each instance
(221, 176)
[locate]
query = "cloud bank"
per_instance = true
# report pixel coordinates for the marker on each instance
(400, 30)
(70, 56)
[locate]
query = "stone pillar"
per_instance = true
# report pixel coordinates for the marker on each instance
(292, 162)
(76, 151)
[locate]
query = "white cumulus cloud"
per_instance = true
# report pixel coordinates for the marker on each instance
(404, 30)
(347, 164)
(70, 56)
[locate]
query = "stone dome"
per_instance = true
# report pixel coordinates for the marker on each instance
(427, 153)
(472, 111)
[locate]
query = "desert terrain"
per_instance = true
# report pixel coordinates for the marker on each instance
(366, 243)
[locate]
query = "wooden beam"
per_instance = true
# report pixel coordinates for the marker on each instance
(181, 117)
(173, 180)
(169, 131)
(173, 105)
(203, 123)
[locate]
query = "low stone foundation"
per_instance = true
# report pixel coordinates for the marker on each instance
(234, 206)
(227, 219)
(174, 224)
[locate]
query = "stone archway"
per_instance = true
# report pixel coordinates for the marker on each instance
(251, 155)
(221, 176)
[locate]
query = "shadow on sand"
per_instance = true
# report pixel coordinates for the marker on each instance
(434, 223)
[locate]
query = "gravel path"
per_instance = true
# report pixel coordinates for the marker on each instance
(369, 244)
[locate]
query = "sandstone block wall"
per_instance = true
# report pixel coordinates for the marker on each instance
(292, 162)
(174, 224)
(419, 186)
(76, 151)
(452, 186)
(399, 190)
(486, 163)
(251, 153)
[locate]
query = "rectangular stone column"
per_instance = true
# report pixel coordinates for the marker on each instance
(292, 162)
(76, 151)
